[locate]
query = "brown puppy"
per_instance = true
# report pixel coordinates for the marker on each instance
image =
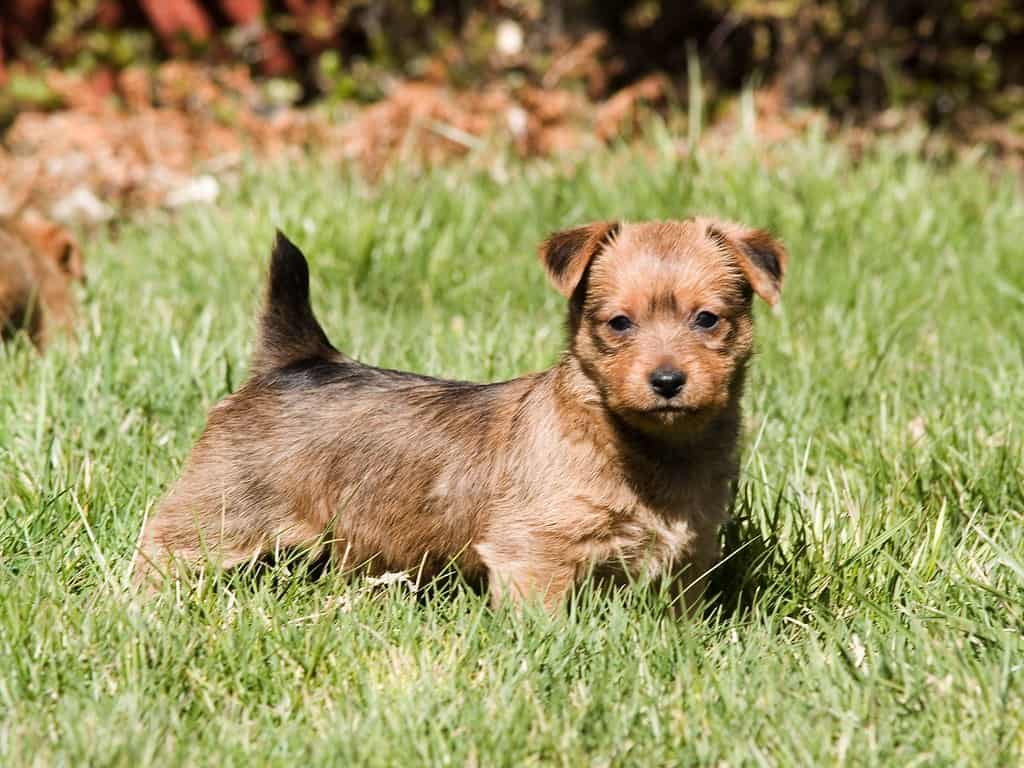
(621, 459)
(39, 260)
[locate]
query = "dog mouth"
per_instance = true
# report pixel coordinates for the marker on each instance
(667, 419)
(672, 408)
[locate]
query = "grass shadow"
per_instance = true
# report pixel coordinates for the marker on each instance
(757, 568)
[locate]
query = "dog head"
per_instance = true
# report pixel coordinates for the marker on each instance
(660, 313)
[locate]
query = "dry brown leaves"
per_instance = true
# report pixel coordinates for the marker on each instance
(145, 139)
(137, 141)
(166, 137)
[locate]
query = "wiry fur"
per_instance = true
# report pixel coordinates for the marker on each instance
(529, 483)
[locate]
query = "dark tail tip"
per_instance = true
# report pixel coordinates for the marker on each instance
(289, 332)
(289, 273)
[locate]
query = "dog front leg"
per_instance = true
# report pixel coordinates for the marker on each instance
(522, 578)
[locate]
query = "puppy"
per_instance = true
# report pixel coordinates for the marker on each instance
(620, 460)
(39, 261)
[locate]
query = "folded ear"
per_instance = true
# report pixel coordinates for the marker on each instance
(53, 242)
(761, 257)
(567, 254)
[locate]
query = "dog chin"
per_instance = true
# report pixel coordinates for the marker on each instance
(668, 418)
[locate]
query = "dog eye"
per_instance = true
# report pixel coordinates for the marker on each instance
(706, 320)
(620, 323)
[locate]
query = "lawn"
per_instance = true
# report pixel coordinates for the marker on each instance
(871, 613)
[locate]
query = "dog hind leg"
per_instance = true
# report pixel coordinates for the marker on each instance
(187, 534)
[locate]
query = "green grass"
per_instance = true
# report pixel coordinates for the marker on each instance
(872, 616)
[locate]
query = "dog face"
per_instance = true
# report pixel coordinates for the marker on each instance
(660, 313)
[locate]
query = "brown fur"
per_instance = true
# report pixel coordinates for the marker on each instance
(38, 263)
(530, 483)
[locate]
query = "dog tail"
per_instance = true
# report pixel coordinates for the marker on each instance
(289, 332)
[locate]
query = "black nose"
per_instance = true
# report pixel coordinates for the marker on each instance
(667, 381)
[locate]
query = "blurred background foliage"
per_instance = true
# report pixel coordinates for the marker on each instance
(951, 60)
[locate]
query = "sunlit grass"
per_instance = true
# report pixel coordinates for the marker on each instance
(871, 615)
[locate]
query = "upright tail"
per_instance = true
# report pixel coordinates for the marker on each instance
(289, 332)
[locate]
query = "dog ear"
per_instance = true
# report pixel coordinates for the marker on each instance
(68, 258)
(567, 254)
(761, 257)
(53, 242)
